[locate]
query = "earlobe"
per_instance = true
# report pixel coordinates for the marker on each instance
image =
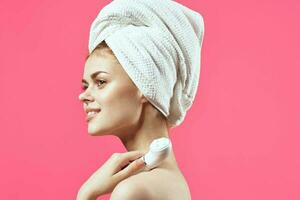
(143, 98)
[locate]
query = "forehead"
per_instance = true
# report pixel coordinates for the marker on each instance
(105, 62)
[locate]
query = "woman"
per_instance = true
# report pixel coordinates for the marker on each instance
(139, 80)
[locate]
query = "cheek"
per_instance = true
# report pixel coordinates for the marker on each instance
(121, 103)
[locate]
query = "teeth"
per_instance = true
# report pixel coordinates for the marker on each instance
(91, 113)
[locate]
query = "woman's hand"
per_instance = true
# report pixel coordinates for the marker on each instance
(117, 168)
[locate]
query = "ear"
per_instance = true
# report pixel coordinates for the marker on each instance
(142, 97)
(144, 100)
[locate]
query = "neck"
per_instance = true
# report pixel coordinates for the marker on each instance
(140, 138)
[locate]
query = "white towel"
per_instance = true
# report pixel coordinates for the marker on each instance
(158, 43)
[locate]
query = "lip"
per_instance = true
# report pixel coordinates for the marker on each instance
(89, 117)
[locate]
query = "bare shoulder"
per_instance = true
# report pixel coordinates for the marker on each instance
(159, 184)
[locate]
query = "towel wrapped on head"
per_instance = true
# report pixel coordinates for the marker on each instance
(158, 43)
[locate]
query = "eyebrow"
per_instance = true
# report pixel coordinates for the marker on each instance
(93, 75)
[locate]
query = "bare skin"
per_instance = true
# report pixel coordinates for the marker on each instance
(127, 114)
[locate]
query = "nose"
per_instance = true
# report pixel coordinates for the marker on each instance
(84, 97)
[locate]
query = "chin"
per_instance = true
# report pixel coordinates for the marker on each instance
(96, 129)
(93, 128)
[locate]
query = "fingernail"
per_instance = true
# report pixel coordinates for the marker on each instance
(143, 160)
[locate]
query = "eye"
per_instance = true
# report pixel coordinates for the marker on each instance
(84, 88)
(101, 82)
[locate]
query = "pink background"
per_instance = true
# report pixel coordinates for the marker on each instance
(239, 141)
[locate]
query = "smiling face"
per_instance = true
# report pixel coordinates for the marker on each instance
(106, 86)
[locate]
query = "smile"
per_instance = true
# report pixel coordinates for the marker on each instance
(91, 115)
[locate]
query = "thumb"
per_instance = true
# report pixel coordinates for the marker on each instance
(133, 168)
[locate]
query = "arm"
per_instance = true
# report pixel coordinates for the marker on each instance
(84, 195)
(118, 167)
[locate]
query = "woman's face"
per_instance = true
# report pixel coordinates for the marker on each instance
(106, 86)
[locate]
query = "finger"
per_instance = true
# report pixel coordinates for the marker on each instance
(128, 157)
(132, 155)
(132, 168)
(118, 161)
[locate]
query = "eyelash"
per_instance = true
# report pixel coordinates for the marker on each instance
(97, 81)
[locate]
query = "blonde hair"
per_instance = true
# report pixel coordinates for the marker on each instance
(103, 47)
